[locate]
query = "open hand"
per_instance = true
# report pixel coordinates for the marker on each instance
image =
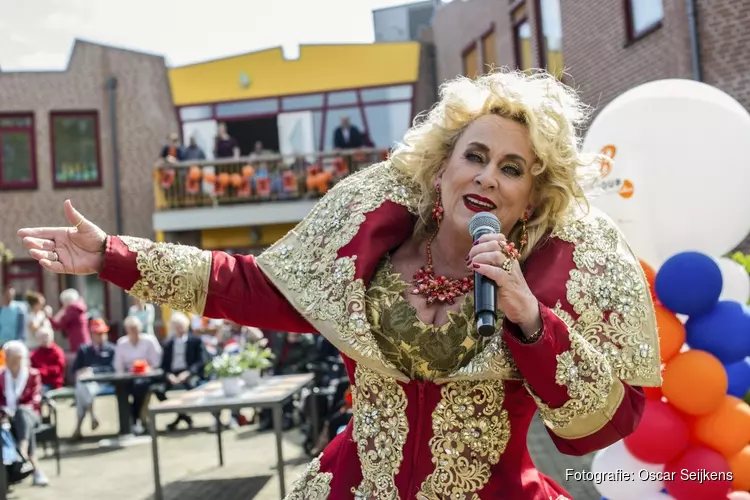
(514, 297)
(67, 250)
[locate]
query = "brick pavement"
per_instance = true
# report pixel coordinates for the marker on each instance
(189, 464)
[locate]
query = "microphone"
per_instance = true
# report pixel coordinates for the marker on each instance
(485, 289)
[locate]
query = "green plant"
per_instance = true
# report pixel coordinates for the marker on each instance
(256, 357)
(6, 256)
(225, 366)
(742, 259)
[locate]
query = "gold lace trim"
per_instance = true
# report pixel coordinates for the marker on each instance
(311, 484)
(174, 275)
(380, 430)
(306, 268)
(471, 430)
(421, 351)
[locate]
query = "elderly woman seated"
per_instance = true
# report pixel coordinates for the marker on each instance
(49, 359)
(20, 397)
(140, 347)
(97, 357)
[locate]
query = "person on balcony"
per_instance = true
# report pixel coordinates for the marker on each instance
(193, 151)
(72, 319)
(383, 266)
(172, 152)
(225, 146)
(183, 362)
(347, 136)
(49, 359)
(97, 357)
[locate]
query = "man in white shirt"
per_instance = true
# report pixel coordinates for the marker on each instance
(137, 346)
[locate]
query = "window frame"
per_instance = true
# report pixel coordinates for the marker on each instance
(97, 134)
(540, 37)
(631, 35)
(515, 25)
(37, 275)
(33, 184)
(472, 46)
(482, 39)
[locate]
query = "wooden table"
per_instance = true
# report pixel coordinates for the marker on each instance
(272, 392)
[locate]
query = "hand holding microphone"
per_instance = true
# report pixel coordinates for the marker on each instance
(498, 280)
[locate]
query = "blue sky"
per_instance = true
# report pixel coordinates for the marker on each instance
(38, 34)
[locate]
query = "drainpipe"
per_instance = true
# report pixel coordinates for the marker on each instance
(112, 90)
(694, 44)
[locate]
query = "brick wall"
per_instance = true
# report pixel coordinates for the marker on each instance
(145, 116)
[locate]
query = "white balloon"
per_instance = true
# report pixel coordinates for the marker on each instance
(657, 496)
(676, 142)
(618, 475)
(736, 280)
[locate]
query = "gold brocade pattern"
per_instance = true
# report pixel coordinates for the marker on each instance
(322, 285)
(174, 275)
(422, 352)
(312, 484)
(614, 335)
(380, 430)
(470, 432)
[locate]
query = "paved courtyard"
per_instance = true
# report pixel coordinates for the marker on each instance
(190, 469)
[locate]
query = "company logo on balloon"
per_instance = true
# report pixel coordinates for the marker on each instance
(624, 187)
(627, 189)
(605, 165)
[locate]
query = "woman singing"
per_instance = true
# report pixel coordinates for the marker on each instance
(383, 268)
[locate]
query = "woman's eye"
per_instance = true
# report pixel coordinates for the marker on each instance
(474, 157)
(511, 169)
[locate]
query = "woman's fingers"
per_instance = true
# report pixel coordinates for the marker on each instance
(38, 243)
(47, 233)
(55, 267)
(44, 255)
(495, 258)
(74, 217)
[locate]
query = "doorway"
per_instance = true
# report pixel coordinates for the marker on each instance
(247, 132)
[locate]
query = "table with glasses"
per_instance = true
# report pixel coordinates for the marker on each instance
(271, 392)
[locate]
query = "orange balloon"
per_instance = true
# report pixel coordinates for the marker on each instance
(671, 333)
(650, 277)
(726, 429)
(739, 464)
(653, 393)
(694, 382)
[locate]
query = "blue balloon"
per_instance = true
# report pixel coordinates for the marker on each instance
(689, 283)
(739, 378)
(724, 331)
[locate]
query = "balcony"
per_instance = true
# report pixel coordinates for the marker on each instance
(249, 191)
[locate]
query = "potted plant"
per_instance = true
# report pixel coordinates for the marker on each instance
(255, 358)
(228, 369)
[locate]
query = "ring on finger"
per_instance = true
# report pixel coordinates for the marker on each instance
(507, 266)
(509, 250)
(55, 257)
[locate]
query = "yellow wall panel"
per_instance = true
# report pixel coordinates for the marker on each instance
(318, 68)
(241, 237)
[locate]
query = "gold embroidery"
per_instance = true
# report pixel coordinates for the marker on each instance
(175, 275)
(614, 336)
(379, 429)
(471, 430)
(305, 266)
(311, 484)
(422, 352)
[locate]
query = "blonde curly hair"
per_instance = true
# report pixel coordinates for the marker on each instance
(549, 109)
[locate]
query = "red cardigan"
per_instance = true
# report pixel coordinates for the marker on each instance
(32, 393)
(50, 361)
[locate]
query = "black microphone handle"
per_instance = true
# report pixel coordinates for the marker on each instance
(484, 304)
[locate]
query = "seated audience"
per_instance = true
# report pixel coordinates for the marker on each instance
(49, 359)
(137, 346)
(183, 362)
(20, 397)
(97, 357)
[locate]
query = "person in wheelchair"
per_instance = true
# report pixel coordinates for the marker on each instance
(20, 400)
(183, 363)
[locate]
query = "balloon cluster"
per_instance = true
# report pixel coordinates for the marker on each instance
(693, 441)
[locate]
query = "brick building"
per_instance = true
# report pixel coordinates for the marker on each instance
(605, 46)
(57, 141)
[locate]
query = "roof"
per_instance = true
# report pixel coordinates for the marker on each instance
(319, 68)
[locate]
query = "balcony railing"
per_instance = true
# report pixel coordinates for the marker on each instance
(256, 178)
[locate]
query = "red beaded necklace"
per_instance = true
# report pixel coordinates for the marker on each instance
(439, 288)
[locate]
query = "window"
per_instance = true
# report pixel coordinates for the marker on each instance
(470, 58)
(248, 108)
(380, 94)
(298, 102)
(191, 113)
(643, 17)
(24, 275)
(333, 120)
(522, 38)
(17, 158)
(387, 122)
(75, 149)
(489, 54)
(550, 40)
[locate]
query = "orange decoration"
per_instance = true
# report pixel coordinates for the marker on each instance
(726, 429)
(739, 464)
(248, 171)
(235, 180)
(694, 382)
(671, 333)
(627, 189)
(224, 179)
(140, 366)
(194, 173)
(289, 181)
(650, 277)
(209, 177)
(263, 186)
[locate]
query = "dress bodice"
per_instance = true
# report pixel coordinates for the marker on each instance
(421, 351)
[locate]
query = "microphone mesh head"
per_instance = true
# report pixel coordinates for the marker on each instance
(484, 219)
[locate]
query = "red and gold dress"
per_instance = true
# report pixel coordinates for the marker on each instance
(439, 412)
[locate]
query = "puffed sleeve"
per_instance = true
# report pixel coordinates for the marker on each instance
(598, 344)
(210, 283)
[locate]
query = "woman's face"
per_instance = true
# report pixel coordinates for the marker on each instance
(488, 171)
(13, 362)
